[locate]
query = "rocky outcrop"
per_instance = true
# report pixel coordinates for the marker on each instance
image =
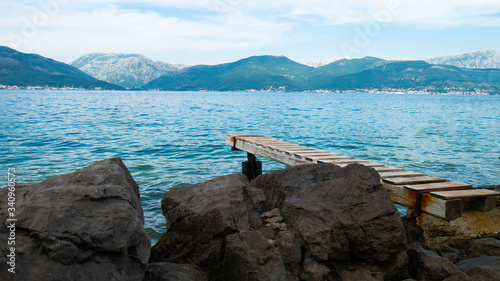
(472, 224)
(173, 272)
(87, 225)
(427, 265)
(341, 216)
(312, 222)
(201, 216)
(485, 268)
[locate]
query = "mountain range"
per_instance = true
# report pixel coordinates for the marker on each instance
(367, 74)
(476, 60)
(257, 73)
(20, 69)
(126, 70)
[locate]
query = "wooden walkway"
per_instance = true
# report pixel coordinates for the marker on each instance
(433, 195)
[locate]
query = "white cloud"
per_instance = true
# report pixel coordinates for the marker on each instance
(151, 26)
(115, 29)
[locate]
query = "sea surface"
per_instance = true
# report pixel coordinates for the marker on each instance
(170, 139)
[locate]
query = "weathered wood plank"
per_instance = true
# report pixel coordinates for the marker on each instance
(330, 156)
(446, 209)
(369, 164)
(344, 161)
(483, 204)
(465, 193)
(312, 153)
(386, 175)
(414, 180)
(439, 185)
(405, 187)
(388, 169)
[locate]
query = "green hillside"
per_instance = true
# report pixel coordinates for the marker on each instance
(491, 76)
(409, 75)
(22, 69)
(258, 73)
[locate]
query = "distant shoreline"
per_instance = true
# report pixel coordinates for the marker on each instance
(357, 91)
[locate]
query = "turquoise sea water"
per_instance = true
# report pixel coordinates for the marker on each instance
(170, 139)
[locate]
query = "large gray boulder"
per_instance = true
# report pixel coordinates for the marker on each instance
(87, 225)
(340, 217)
(312, 222)
(200, 216)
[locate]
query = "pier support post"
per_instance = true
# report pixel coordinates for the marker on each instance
(252, 168)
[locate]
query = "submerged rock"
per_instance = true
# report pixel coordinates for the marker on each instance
(87, 225)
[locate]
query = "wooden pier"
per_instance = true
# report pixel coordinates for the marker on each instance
(433, 195)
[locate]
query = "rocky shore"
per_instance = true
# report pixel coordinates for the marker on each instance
(311, 222)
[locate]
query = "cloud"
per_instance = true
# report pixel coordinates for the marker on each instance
(116, 29)
(154, 26)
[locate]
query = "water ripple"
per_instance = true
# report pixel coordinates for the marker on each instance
(170, 139)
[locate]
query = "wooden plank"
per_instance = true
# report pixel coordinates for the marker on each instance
(344, 161)
(372, 165)
(388, 169)
(330, 156)
(333, 157)
(312, 153)
(445, 209)
(291, 146)
(386, 175)
(264, 152)
(414, 180)
(369, 164)
(301, 151)
(483, 204)
(439, 185)
(465, 193)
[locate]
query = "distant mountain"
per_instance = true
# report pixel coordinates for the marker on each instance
(324, 74)
(280, 73)
(126, 70)
(253, 73)
(482, 59)
(410, 75)
(491, 76)
(22, 69)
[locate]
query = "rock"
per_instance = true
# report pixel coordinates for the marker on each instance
(249, 256)
(173, 272)
(281, 184)
(340, 215)
(484, 247)
(200, 216)
(472, 224)
(273, 213)
(485, 268)
(324, 222)
(427, 265)
(360, 274)
(87, 225)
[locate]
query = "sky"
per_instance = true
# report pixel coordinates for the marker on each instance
(219, 31)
